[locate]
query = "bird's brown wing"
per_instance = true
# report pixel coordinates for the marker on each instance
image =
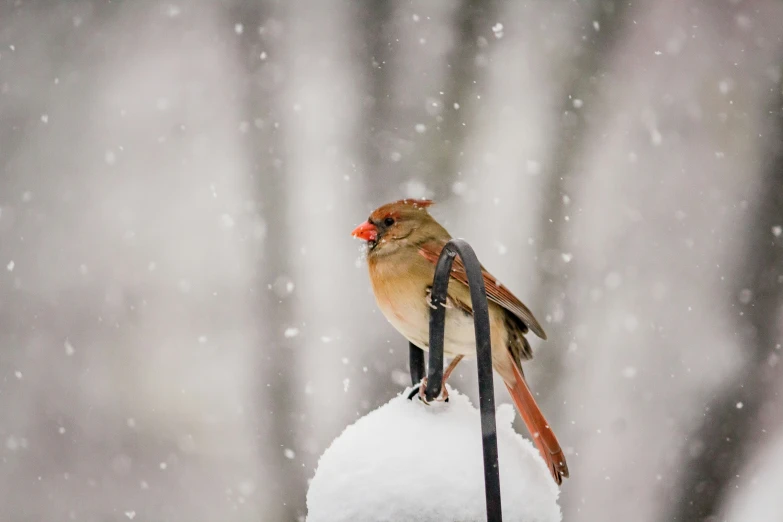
(496, 292)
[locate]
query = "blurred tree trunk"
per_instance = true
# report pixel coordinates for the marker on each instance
(121, 238)
(733, 427)
(259, 35)
(445, 98)
(320, 122)
(461, 95)
(501, 189)
(602, 26)
(377, 40)
(416, 60)
(655, 227)
(380, 109)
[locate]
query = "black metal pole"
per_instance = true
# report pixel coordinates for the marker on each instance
(478, 297)
(416, 359)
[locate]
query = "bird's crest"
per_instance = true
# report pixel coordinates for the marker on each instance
(393, 209)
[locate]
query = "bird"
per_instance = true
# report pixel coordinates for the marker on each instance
(404, 243)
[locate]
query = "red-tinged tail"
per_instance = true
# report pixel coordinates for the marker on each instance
(543, 436)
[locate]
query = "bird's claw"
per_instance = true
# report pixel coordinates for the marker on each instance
(445, 304)
(443, 396)
(428, 298)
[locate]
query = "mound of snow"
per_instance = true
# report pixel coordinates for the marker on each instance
(409, 461)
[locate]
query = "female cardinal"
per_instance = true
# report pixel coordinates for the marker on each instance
(404, 243)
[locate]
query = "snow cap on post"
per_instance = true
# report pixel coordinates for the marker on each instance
(409, 461)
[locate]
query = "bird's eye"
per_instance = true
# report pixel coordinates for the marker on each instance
(389, 221)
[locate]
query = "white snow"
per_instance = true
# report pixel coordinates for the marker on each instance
(756, 491)
(408, 461)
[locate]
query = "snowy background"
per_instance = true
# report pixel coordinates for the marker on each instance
(185, 324)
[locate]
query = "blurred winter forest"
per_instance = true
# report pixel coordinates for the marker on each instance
(186, 323)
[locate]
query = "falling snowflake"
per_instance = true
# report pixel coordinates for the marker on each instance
(629, 372)
(227, 221)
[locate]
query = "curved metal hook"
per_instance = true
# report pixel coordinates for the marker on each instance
(478, 298)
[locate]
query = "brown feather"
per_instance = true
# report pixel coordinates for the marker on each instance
(496, 292)
(539, 429)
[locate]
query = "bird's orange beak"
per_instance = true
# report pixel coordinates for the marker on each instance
(365, 231)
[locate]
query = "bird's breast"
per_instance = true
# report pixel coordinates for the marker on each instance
(400, 299)
(403, 297)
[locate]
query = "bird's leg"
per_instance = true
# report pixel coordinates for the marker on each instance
(444, 393)
(453, 364)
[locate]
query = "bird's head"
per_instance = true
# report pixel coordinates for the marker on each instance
(394, 225)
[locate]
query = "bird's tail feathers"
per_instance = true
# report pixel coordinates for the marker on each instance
(543, 436)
